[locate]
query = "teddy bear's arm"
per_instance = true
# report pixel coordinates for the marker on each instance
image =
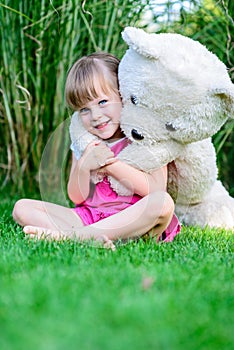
(150, 158)
(147, 159)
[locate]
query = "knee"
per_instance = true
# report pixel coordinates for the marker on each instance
(164, 206)
(20, 211)
(168, 207)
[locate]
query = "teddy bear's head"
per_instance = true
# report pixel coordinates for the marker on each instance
(172, 88)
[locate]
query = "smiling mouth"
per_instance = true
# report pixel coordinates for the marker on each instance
(101, 126)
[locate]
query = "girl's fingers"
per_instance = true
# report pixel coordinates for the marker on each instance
(94, 143)
(111, 160)
(105, 157)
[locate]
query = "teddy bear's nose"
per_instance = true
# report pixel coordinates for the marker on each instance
(136, 135)
(170, 127)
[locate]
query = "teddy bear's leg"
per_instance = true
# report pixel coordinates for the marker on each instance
(216, 210)
(201, 199)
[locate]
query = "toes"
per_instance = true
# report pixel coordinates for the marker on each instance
(109, 245)
(30, 230)
(41, 233)
(106, 242)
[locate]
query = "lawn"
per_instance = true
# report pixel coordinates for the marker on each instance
(66, 295)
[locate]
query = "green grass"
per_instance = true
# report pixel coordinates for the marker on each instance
(63, 295)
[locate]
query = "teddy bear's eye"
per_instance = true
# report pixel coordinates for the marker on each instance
(134, 99)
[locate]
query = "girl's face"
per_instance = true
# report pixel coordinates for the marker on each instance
(101, 116)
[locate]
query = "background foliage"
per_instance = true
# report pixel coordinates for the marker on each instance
(41, 39)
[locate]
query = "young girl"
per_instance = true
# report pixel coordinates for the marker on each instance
(100, 213)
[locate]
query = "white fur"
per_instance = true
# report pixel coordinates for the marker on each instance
(80, 137)
(177, 81)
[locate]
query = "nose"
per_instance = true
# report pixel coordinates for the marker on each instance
(96, 113)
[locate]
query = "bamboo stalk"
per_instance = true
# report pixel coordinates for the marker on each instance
(12, 134)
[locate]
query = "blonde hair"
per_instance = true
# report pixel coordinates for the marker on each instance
(90, 74)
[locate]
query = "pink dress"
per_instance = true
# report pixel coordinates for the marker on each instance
(103, 202)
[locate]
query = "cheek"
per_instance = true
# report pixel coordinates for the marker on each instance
(86, 122)
(117, 111)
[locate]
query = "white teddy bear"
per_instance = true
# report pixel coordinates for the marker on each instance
(176, 95)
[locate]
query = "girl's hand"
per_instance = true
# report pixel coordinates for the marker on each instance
(97, 155)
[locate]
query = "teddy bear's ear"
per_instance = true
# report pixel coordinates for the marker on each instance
(140, 41)
(227, 97)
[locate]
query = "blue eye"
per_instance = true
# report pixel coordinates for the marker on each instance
(83, 110)
(102, 102)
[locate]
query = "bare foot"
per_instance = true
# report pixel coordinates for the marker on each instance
(45, 233)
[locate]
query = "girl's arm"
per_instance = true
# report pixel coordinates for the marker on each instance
(79, 181)
(138, 181)
(95, 155)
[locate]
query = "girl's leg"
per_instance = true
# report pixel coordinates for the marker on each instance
(152, 211)
(48, 220)
(46, 215)
(155, 210)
